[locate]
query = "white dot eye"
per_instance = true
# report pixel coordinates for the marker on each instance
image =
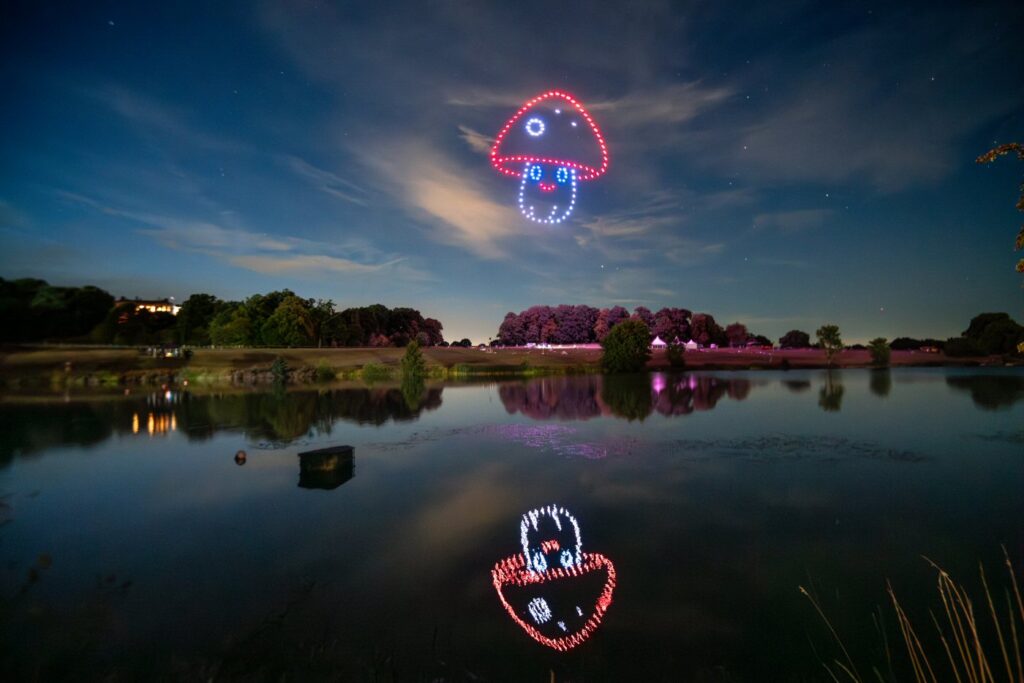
(540, 563)
(566, 558)
(535, 127)
(562, 175)
(536, 173)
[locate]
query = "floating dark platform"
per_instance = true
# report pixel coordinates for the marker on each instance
(326, 468)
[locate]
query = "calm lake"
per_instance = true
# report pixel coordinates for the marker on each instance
(133, 545)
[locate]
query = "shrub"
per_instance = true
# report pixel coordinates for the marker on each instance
(626, 347)
(279, 369)
(373, 372)
(413, 363)
(676, 355)
(880, 352)
(324, 372)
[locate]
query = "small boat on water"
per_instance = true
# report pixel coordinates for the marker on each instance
(326, 468)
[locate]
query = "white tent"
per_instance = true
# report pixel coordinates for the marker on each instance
(691, 345)
(658, 343)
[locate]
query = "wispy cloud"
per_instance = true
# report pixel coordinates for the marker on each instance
(458, 208)
(477, 141)
(305, 263)
(258, 252)
(327, 181)
(671, 104)
(650, 231)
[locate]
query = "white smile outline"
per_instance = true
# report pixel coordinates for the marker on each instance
(530, 213)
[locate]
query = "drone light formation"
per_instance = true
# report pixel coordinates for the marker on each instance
(545, 146)
(549, 604)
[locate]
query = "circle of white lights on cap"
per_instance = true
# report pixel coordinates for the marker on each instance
(535, 127)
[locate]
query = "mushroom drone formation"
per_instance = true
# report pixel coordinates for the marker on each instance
(551, 144)
(553, 590)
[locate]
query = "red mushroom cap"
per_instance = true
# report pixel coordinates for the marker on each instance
(552, 128)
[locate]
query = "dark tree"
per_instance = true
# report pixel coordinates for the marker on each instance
(795, 339)
(994, 333)
(289, 325)
(990, 156)
(706, 331)
(737, 334)
(32, 310)
(194, 318)
(627, 347)
(829, 341)
(880, 352)
(432, 328)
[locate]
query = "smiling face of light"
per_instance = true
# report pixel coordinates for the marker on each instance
(547, 193)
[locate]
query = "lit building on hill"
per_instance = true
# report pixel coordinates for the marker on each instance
(152, 305)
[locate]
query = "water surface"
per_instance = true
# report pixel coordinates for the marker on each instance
(132, 543)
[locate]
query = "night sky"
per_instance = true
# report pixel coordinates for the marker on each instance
(783, 164)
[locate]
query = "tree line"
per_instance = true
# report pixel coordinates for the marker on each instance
(282, 318)
(584, 324)
(32, 310)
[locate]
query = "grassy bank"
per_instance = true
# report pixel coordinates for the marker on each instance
(114, 366)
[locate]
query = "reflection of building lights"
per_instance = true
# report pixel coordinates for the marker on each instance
(135, 423)
(533, 570)
(156, 423)
(658, 383)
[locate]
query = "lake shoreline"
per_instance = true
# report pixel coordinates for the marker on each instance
(110, 366)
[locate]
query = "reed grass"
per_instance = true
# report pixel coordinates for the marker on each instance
(967, 651)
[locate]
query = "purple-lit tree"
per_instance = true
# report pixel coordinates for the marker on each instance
(671, 324)
(706, 331)
(510, 332)
(737, 334)
(643, 314)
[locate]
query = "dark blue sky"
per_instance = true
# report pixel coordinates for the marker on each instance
(783, 164)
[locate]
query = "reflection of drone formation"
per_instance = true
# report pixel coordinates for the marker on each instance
(326, 468)
(552, 144)
(556, 592)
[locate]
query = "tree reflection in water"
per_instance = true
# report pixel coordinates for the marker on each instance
(830, 398)
(881, 382)
(990, 392)
(276, 416)
(633, 397)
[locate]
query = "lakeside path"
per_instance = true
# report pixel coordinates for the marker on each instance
(97, 365)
